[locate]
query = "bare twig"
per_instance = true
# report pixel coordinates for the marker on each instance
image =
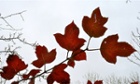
(13, 37)
(133, 62)
(127, 1)
(9, 50)
(1, 28)
(8, 24)
(19, 13)
(137, 57)
(25, 42)
(138, 18)
(136, 40)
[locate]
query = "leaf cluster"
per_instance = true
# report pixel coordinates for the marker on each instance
(94, 27)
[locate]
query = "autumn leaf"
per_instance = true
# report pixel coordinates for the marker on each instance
(135, 83)
(77, 55)
(94, 26)
(43, 56)
(59, 75)
(32, 73)
(70, 40)
(8, 72)
(71, 62)
(32, 81)
(98, 82)
(14, 65)
(89, 82)
(15, 82)
(111, 48)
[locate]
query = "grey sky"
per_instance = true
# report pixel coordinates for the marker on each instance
(44, 18)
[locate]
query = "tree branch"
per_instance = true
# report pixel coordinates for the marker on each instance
(17, 37)
(8, 24)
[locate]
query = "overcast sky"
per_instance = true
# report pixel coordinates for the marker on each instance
(43, 18)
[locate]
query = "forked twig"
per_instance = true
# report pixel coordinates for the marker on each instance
(8, 24)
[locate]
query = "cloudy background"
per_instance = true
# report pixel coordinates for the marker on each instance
(43, 18)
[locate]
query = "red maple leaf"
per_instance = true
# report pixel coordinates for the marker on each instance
(135, 83)
(32, 81)
(71, 62)
(70, 40)
(59, 75)
(15, 82)
(89, 82)
(94, 26)
(43, 56)
(14, 65)
(77, 55)
(98, 82)
(32, 73)
(110, 48)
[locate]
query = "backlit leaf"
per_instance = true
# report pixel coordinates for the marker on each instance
(59, 75)
(135, 83)
(43, 56)
(77, 55)
(15, 82)
(98, 82)
(94, 26)
(89, 82)
(8, 72)
(32, 81)
(71, 62)
(111, 48)
(70, 40)
(14, 65)
(32, 73)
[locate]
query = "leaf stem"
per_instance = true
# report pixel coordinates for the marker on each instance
(88, 43)
(67, 54)
(92, 49)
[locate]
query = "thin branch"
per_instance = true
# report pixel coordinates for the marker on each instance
(17, 37)
(127, 1)
(136, 40)
(67, 54)
(19, 13)
(1, 28)
(88, 42)
(21, 17)
(138, 18)
(138, 31)
(9, 51)
(136, 57)
(25, 42)
(133, 62)
(93, 49)
(8, 24)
